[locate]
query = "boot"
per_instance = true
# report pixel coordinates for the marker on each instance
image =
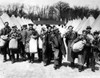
(72, 65)
(80, 68)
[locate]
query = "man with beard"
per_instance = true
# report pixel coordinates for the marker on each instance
(58, 48)
(5, 31)
(70, 37)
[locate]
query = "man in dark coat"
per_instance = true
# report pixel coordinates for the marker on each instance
(5, 31)
(95, 49)
(88, 47)
(23, 40)
(70, 37)
(58, 48)
(47, 48)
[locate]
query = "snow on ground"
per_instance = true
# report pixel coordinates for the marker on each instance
(37, 70)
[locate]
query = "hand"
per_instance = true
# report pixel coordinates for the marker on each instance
(64, 55)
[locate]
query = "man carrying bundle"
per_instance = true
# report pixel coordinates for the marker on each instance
(70, 37)
(14, 43)
(5, 31)
(78, 47)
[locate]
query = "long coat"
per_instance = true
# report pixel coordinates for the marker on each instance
(70, 37)
(57, 43)
(47, 48)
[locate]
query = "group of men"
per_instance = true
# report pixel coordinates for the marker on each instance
(90, 51)
(53, 47)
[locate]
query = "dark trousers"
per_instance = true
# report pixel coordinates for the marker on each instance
(40, 54)
(57, 57)
(94, 58)
(47, 55)
(12, 53)
(30, 56)
(22, 49)
(87, 56)
(5, 51)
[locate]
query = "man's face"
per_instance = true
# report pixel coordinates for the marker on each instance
(88, 30)
(84, 33)
(70, 28)
(14, 29)
(96, 36)
(24, 28)
(6, 24)
(30, 27)
(49, 28)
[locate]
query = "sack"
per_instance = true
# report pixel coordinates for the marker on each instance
(2, 42)
(4, 37)
(91, 38)
(33, 45)
(13, 44)
(78, 46)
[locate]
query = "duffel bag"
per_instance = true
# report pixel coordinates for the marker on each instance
(78, 46)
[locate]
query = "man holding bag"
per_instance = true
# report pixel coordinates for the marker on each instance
(14, 39)
(4, 49)
(78, 49)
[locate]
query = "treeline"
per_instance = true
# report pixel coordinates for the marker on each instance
(57, 11)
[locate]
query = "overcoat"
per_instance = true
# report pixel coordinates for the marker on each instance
(70, 37)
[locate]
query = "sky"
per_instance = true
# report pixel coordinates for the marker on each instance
(89, 3)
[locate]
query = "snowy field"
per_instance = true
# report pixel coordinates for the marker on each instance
(37, 70)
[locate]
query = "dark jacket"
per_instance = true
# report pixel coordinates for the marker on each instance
(5, 31)
(57, 42)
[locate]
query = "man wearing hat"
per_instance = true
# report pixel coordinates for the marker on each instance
(81, 54)
(47, 47)
(14, 34)
(5, 31)
(29, 33)
(88, 47)
(70, 37)
(23, 40)
(88, 29)
(95, 49)
(57, 47)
